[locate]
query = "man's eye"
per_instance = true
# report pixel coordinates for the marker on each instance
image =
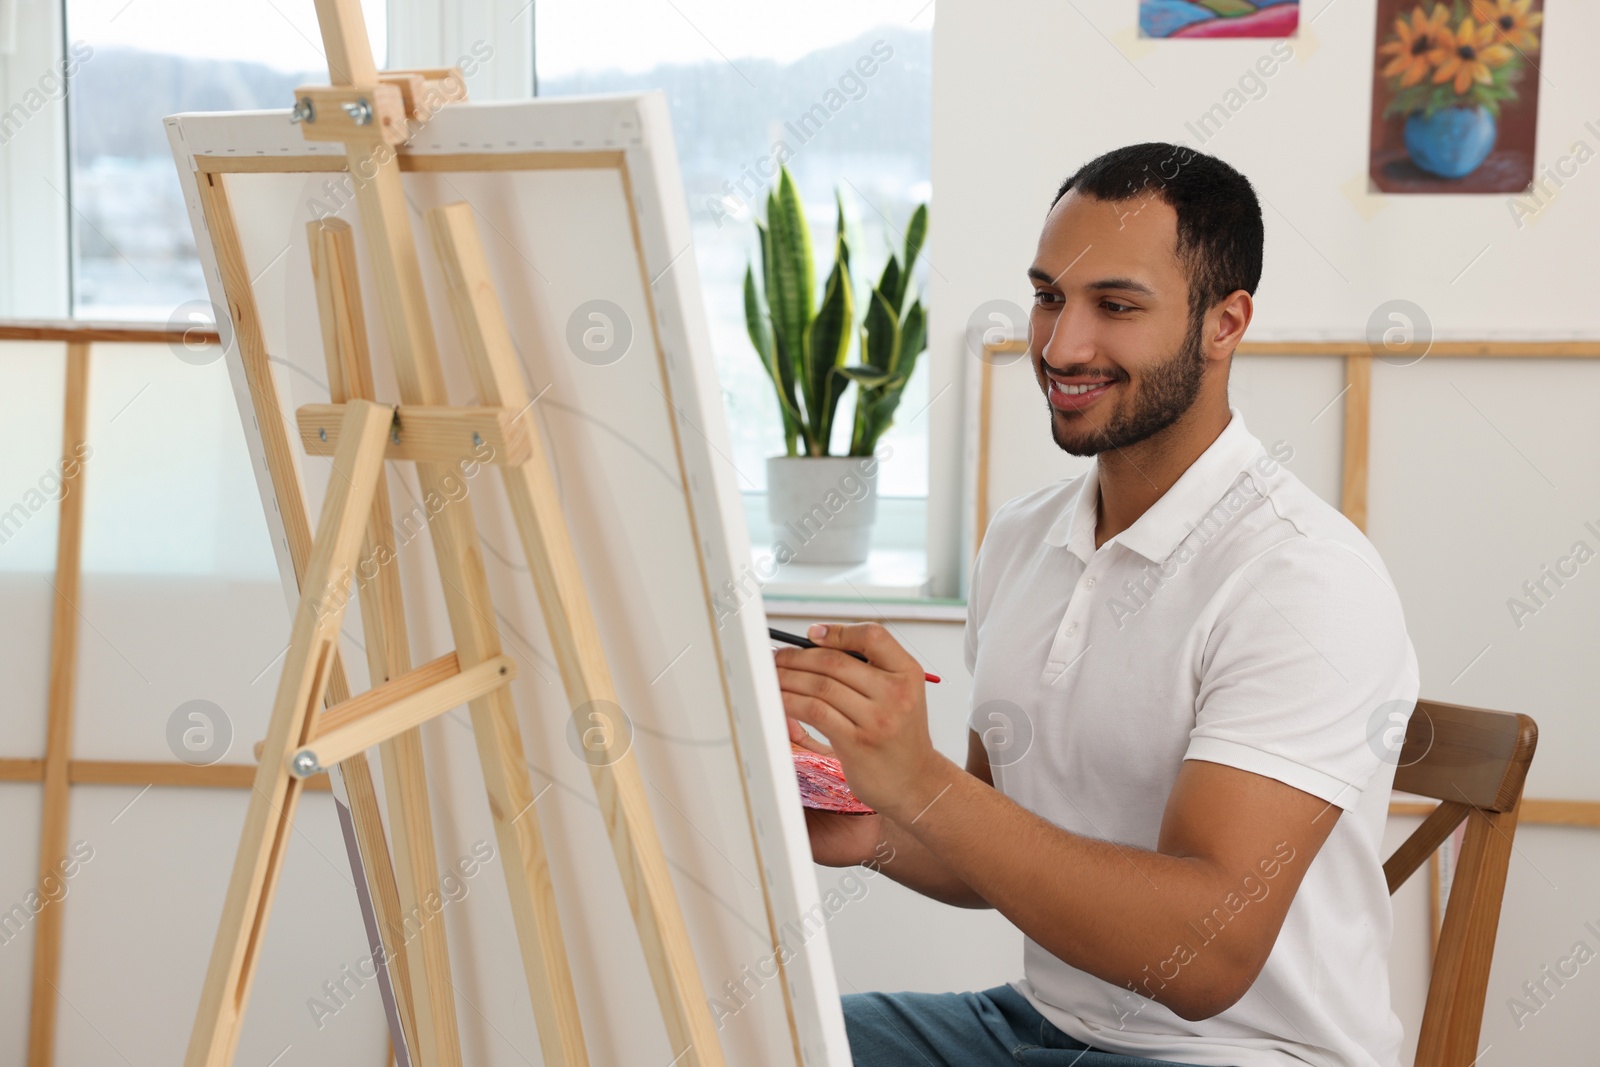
(1042, 296)
(1112, 305)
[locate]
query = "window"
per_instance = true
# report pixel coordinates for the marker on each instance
(138, 61)
(740, 78)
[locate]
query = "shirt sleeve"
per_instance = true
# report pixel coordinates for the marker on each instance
(977, 596)
(970, 633)
(1306, 671)
(975, 589)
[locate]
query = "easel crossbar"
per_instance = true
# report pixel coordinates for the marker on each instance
(380, 722)
(428, 433)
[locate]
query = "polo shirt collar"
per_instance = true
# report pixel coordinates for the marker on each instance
(1169, 520)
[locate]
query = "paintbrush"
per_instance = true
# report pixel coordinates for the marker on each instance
(806, 642)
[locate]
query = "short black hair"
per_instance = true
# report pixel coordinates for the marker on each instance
(1220, 236)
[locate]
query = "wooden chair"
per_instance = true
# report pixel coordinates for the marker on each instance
(1474, 762)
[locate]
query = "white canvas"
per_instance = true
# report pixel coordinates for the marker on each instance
(640, 448)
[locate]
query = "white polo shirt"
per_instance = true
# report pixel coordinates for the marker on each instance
(1241, 620)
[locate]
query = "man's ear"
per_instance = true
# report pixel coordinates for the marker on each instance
(1228, 322)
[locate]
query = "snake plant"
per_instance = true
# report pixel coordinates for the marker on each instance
(892, 337)
(800, 347)
(803, 349)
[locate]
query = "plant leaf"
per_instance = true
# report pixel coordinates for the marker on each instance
(791, 283)
(785, 346)
(838, 235)
(893, 284)
(916, 235)
(827, 342)
(913, 339)
(880, 333)
(880, 416)
(782, 375)
(864, 376)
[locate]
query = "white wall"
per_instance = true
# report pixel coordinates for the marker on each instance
(1481, 471)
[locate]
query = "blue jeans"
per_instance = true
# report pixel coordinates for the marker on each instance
(991, 1028)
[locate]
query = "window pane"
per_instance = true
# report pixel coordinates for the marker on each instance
(138, 61)
(741, 79)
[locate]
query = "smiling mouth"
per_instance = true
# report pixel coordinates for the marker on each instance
(1076, 397)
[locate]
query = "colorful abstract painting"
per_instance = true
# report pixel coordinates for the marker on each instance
(1218, 18)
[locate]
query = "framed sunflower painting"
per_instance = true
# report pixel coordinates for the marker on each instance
(1455, 95)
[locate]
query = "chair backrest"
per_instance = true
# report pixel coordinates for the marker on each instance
(1474, 762)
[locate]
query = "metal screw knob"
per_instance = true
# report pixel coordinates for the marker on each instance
(360, 112)
(303, 111)
(305, 764)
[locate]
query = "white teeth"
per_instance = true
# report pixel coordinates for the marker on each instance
(1075, 390)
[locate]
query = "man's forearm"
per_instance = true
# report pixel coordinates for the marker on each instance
(1111, 910)
(908, 861)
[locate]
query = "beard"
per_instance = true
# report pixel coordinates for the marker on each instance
(1170, 389)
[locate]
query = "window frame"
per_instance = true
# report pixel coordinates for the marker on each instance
(35, 192)
(34, 183)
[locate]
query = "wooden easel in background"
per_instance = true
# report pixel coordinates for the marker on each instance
(368, 112)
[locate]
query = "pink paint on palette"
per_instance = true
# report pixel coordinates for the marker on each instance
(822, 784)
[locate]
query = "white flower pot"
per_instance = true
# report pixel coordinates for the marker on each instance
(822, 507)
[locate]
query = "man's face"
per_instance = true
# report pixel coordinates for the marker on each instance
(1111, 311)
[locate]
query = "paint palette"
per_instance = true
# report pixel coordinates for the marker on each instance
(822, 784)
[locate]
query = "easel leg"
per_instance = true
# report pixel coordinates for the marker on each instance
(579, 653)
(434, 1040)
(221, 224)
(313, 645)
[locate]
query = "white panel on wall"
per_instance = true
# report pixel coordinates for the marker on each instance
(1295, 406)
(1482, 476)
(32, 379)
(22, 804)
(141, 914)
(180, 601)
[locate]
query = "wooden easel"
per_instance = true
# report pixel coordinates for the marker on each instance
(369, 113)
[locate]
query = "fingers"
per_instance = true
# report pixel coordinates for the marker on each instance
(813, 712)
(799, 736)
(870, 639)
(826, 688)
(864, 678)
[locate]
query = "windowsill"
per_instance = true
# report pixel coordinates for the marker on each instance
(892, 583)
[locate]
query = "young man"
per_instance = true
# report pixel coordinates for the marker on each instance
(1189, 674)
